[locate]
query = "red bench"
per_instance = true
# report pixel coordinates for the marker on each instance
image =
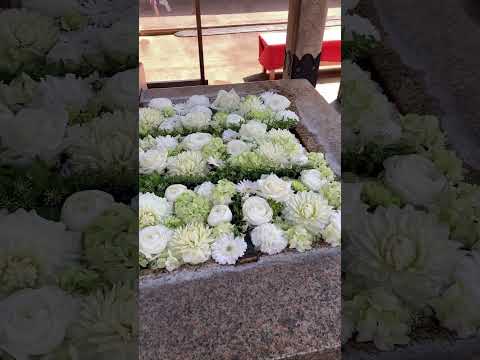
(272, 49)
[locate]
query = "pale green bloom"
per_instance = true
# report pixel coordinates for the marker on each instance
(192, 243)
(215, 149)
(249, 160)
(298, 186)
(19, 92)
(223, 229)
(250, 105)
(421, 132)
(448, 162)
(333, 193)
(308, 209)
(376, 194)
(332, 234)
(265, 116)
(299, 238)
(191, 207)
(318, 161)
(173, 222)
(149, 121)
(18, 272)
(222, 193)
(188, 163)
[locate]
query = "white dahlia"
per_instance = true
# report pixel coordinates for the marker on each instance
(192, 243)
(152, 161)
(308, 209)
(188, 163)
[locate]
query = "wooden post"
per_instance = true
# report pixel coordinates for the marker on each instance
(306, 26)
(200, 42)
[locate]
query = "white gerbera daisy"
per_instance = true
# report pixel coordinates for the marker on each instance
(228, 249)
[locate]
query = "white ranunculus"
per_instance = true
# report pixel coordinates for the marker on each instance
(118, 92)
(174, 191)
(253, 130)
(227, 101)
(275, 102)
(153, 240)
(81, 208)
(195, 142)
(313, 179)
(33, 132)
(332, 233)
(234, 120)
(228, 249)
(257, 211)
(205, 189)
(236, 147)
(272, 187)
(203, 109)
(219, 214)
(196, 120)
(269, 238)
(414, 178)
(34, 322)
(198, 100)
(48, 242)
(153, 161)
(229, 135)
(160, 103)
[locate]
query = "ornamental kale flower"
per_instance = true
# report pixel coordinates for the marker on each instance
(149, 120)
(192, 243)
(153, 210)
(288, 142)
(380, 317)
(18, 272)
(111, 244)
(308, 209)
(403, 250)
(215, 149)
(107, 326)
(223, 192)
(188, 163)
(299, 238)
(191, 207)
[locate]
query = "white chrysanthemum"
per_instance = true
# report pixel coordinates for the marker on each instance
(229, 135)
(165, 143)
(228, 249)
(257, 211)
(188, 163)
(234, 120)
(149, 118)
(160, 103)
(308, 209)
(198, 100)
(251, 103)
(205, 189)
(288, 141)
(275, 102)
(153, 241)
(269, 239)
(404, 250)
(313, 179)
(196, 121)
(227, 101)
(253, 130)
(287, 115)
(153, 209)
(332, 233)
(236, 147)
(81, 208)
(171, 124)
(192, 243)
(247, 187)
(152, 161)
(195, 142)
(174, 191)
(275, 153)
(147, 143)
(272, 187)
(219, 214)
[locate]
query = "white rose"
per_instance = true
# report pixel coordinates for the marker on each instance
(219, 214)
(205, 190)
(118, 92)
(236, 147)
(33, 132)
(195, 142)
(227, 101)
(33, 322)
(81, 208)
(160, 103)
(332, 233)
(196, 120)
(414, 178)
(253, 130)
(234, 120)
(152, 161)
(275, 102)
(257, 211)
(174, 191)
(229, 135)
(269, 238)
(272, 187)
(198, 100)
(313, 179)
(153, 240)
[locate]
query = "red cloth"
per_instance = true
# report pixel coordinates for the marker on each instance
(272, 49)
